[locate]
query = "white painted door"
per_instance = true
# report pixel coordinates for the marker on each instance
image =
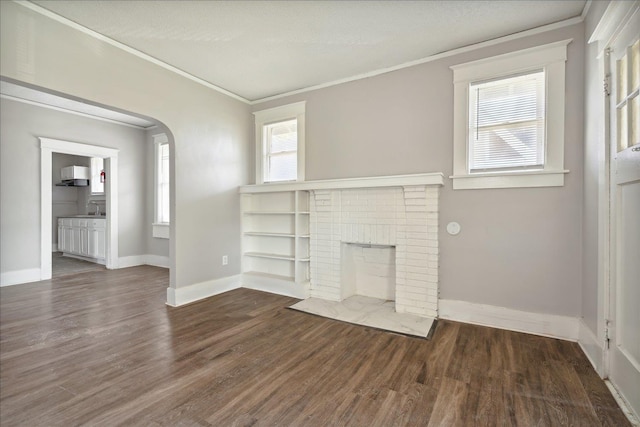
(624, 289)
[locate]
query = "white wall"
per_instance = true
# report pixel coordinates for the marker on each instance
(210, 131)
(20, 126)
(518, 248)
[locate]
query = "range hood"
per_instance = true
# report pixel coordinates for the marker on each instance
(74, 176)
(73, 183)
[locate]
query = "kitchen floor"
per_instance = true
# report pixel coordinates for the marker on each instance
(63, 265)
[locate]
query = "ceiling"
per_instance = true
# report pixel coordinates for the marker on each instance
(261, 49)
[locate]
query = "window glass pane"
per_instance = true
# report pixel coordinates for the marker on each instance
(506, 148)
(97, 166)
(281, 145)
(635, 66)
(634, 132)
(162, 214)
(283, 167)
(513, 101)
(622, 128)
(507, 125)
(284, 136)
(622, 78)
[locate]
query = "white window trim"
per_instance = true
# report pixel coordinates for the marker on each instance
(161, 230)
(277, 114)
(551, 57)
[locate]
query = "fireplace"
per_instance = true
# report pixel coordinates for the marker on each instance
(396, 224)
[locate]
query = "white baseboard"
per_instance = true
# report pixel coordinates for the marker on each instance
(54, 247)
(84, 258)
(623, 404)
(18, 277)
(591, 347)
(157, 260)
(180, 296)
(274, 286)
(548, 325)
(131, 261)
(135, 260)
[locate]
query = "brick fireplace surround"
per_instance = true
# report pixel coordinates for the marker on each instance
(403, 216)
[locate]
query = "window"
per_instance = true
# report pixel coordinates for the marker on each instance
(97, 176)
(162, 206)
(280, 144)
(509, 120)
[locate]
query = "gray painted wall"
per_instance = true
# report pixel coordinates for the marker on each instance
(21, 125)
(211, 132)
(519, 248)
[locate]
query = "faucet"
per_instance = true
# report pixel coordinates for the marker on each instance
(93, 202)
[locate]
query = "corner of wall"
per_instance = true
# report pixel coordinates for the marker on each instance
(192, 293)
(591, 347)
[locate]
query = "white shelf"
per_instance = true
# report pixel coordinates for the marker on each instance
(271, 256)
(267, 234)
(436, 178)
(269, 213)
(259, 274)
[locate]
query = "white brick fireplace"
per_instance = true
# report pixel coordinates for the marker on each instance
(403, 218)
(333, 239)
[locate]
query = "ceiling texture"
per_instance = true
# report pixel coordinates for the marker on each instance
(262, 49)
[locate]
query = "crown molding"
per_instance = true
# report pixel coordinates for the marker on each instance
(126, 48)
(446, 54)
(464, 49)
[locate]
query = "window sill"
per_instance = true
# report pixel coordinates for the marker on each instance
(509, 180)
(161, 231)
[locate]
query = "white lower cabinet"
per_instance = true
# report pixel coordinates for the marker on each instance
(97, 243)
(83, 237)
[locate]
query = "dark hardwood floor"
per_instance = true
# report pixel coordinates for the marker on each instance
(102, 348)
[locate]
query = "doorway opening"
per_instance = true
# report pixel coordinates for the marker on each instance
(49, 146)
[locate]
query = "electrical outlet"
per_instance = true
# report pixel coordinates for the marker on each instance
(225, 260)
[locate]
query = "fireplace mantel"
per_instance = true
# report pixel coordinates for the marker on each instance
(436, 178)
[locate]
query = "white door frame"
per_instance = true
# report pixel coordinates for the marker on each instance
(49, 146)
(610, 26)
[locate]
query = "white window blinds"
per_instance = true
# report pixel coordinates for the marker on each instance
(507, 123)
(281, 151)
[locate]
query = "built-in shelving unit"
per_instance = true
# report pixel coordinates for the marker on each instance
(275, 241)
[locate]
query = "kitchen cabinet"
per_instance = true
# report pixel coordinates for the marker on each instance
(85, 237)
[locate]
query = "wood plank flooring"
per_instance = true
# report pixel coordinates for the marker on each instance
(102, 348)
(64, 265)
